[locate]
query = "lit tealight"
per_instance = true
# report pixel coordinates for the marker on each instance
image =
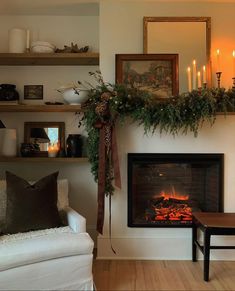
(53, 150)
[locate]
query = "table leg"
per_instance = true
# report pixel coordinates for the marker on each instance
(207, 238)
(194, 246)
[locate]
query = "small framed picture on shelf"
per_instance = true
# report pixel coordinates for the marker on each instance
(33, 92)
(155, 73)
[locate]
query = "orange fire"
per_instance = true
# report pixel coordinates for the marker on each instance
(173, 207)
(167, 196)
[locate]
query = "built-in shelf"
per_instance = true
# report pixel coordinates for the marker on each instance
(42, 159)
(53, 59)
(40, 108)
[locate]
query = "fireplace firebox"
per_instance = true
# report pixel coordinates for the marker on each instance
(164, 189)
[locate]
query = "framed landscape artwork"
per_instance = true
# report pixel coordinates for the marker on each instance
(155, 73)
(33, 92)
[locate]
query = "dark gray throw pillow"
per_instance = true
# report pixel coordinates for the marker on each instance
(31, 207)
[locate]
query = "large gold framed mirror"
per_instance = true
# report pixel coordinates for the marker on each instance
(190, 37)
(45, 134)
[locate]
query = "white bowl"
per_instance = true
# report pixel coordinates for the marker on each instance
(75, 96)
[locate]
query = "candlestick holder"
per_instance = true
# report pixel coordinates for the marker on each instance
(218, 75)
(27, 50)
(233, 83)
(204, 85)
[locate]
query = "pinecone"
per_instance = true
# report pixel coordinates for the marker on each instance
(102, 108)
(105, 96)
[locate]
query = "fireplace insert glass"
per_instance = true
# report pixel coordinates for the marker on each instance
(164, 189)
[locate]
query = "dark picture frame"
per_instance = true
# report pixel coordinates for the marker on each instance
(28, 126)
(33, 92)
(155, 73)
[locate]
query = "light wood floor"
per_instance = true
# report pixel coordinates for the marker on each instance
(162, 275)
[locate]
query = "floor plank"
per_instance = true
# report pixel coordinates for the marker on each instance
(111, 275)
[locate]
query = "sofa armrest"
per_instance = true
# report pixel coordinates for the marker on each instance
(76, 221)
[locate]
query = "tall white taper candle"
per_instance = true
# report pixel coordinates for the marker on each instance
(194, 75)
(233, 63)
(204, 74)
(199, 80)
(218, 69)
(27, 39)
(189, 79)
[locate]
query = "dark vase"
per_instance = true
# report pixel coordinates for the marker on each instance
(8, 92)
(74, 145)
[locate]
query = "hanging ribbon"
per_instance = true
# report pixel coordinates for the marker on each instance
(101, 182)
(107, 153)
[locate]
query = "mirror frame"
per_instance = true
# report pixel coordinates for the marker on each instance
(60, 125)
(207, 20)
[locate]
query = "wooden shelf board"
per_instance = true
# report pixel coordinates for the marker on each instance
(55, 108)
(40, 108)
(228, 113)
(42, 159)
(53, 59)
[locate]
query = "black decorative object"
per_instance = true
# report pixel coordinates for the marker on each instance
(74, 145)
(28, 149)
(2, 124)
(8, 92)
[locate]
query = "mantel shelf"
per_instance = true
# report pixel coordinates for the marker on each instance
(54, 108)
(42, 159)
(40, 108)
(53, 59)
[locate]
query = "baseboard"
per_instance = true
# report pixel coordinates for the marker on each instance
(149, 248)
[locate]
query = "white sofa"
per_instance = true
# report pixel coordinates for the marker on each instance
(51, 259)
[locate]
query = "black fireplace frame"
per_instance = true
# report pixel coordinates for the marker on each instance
(171, 157)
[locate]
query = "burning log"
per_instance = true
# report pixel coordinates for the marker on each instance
(168, 209)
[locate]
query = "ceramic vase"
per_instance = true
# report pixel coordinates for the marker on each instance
(17, 40)
(74, 145)
(7, 142)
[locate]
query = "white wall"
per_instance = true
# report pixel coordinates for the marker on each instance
(60, 30)
(121, 32)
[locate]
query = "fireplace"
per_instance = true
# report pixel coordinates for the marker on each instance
(164, 189)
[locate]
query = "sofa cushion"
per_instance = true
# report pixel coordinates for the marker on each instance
(31, 207)
(62, 201)
(37, 246)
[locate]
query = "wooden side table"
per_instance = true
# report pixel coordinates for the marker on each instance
(211, 224)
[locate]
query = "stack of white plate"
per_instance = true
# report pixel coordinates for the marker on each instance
(42, 47)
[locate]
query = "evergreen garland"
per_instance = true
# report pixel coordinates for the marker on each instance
(180, 114)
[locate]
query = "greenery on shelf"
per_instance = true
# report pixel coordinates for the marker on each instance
(109, 103)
